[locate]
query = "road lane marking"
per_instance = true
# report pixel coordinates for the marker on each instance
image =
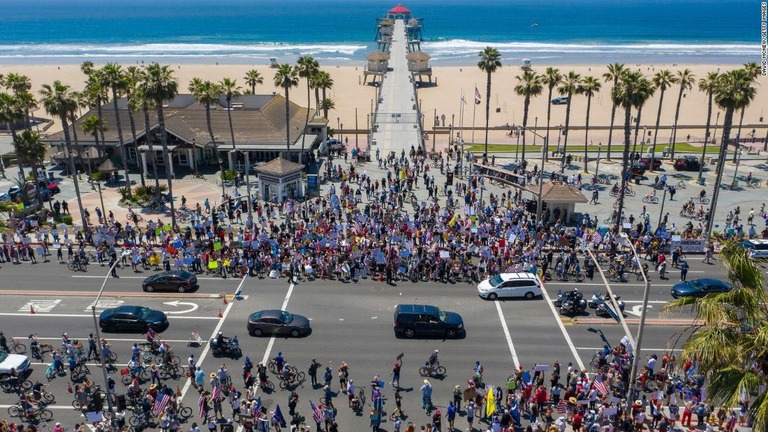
(641, 349)
(110, 339)
(579, 284)
(560, 324)
(104, 304)
(44, 306)
(507, 335)
(58, 315)
(106, 294)
(271, 343)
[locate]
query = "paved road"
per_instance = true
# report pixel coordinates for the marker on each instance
(351, 322)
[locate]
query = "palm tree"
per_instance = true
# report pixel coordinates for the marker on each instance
(552, 78)
(615, 71)
(207, 93)
(115, 79)
(728, 340)
(589, 87)
(733, 91)
(92, 125)
(645, 92)
(707, 85)
(287, 77)
(322, 81)
(326, 105)
(21, 86)
(31, 150)
(252, 78)
(490, 61)
(568, 87)
(10, 113)
(529, 85)
(160, 85)
(132, 75)
(753, 70)
(57, 101)
(146, 105)
(625, 94)
(662, 81)
(231, 90)
(307, 67)
(686, 79)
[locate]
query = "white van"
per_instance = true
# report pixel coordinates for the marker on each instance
(508, 285)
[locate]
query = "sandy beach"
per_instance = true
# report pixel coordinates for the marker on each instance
(350, 95)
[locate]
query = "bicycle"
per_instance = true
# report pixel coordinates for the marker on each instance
(78, 265)
(431, 371)
(16, 346)
(294, 380)
(650, 199)
(51, 372)
(134, 217)
(142, 420)
(267, 385)
(9, 384)
(39, 414)
(682, 184)
(703, 200)
(755, 184)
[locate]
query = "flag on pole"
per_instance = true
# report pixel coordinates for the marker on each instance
(277, 417)
(216, 392)
(201, 406)
(463, 99)
(317, 413)
(597, 238)
(256, 407)
(490, 402)
(160, 404)
(453, 220)
(601, 387)
(477, 96)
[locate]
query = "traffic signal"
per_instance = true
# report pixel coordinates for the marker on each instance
(449, 179)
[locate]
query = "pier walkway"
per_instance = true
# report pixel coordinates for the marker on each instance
(396, 125)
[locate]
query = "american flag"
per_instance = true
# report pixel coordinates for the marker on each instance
(216, 392)
(160, 403)
(277, 417)
(317, 413)
(477, 96)
(463, 100)
(256, 407)
(601, 387)
(201, 406)
(562, 406)
(597, 238)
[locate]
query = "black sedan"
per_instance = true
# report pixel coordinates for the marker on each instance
(278, 322)
(180, 281)
(132, 318)
(700, 288)
(687, 163)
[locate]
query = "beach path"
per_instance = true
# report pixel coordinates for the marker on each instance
(396, 116)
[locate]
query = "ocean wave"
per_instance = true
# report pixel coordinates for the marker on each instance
(175, 50)
(459, 47)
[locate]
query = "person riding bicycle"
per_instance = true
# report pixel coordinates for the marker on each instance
(702, 194)
(433, 361)
(279, 361)
(615, 188)
(183, 201)
(261, 371)
(151, 338)
(27, 406)
(288, 373)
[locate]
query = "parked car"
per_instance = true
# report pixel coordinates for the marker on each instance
(278, 322)
(757, 249)
(15, 361)
(524, 284)
(51, 185)
(16, 193)
(4, 197)
(647, 162)
(180, 281)
(637, 169)
(132, 318)
(413, 320)
(560, 100)
(700, 287)
(687, 163)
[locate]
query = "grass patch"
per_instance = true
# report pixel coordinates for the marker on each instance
(576, 149)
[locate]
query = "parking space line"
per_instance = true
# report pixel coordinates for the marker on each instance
(560, 324)
(507, 335)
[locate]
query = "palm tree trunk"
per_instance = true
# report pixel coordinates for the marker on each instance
(487, 112)
(151, 149)
(637, 127)
(727, 125)
(317, 98)
(325, 110)
(102, 151)
(625, 165)
(549, 113)
(124, 151)
(567, 124)
(525, 122)
(247, 157)
(706, 136)
(738, 136)
(166, 158)
(656, 129)
(287, 129)
(586, 135)
(306, 123)
(215, 147)
(133, 134)
(15, 139)
(677, 114)
(68, 143)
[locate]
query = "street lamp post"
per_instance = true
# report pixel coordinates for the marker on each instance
(641, 328)
(661, 212)
(101, 198)
(737, 152)
(704, 150)
(98, 337)
(517, 146)
(597, 162)
(536, 128)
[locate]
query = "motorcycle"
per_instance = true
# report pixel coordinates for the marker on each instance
(601, 309)
(599, 298)
(573, 307)
(563, 296)
(229, 347)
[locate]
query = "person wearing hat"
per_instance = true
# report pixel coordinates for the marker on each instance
(426, 396)
(437, 420)
(433, 361)
(457, 394)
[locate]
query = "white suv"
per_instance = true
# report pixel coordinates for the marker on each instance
(757, 249)
(522, 284)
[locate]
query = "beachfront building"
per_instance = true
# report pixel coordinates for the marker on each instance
(258, 122)
(376, 66)
(558, 201)
(399, 12)
(280, 179)
(384, 29)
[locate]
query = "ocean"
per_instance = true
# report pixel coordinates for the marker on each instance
(342, 31)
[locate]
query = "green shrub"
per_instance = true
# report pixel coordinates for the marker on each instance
(98, 176)
(228, 175)
(67, 219)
